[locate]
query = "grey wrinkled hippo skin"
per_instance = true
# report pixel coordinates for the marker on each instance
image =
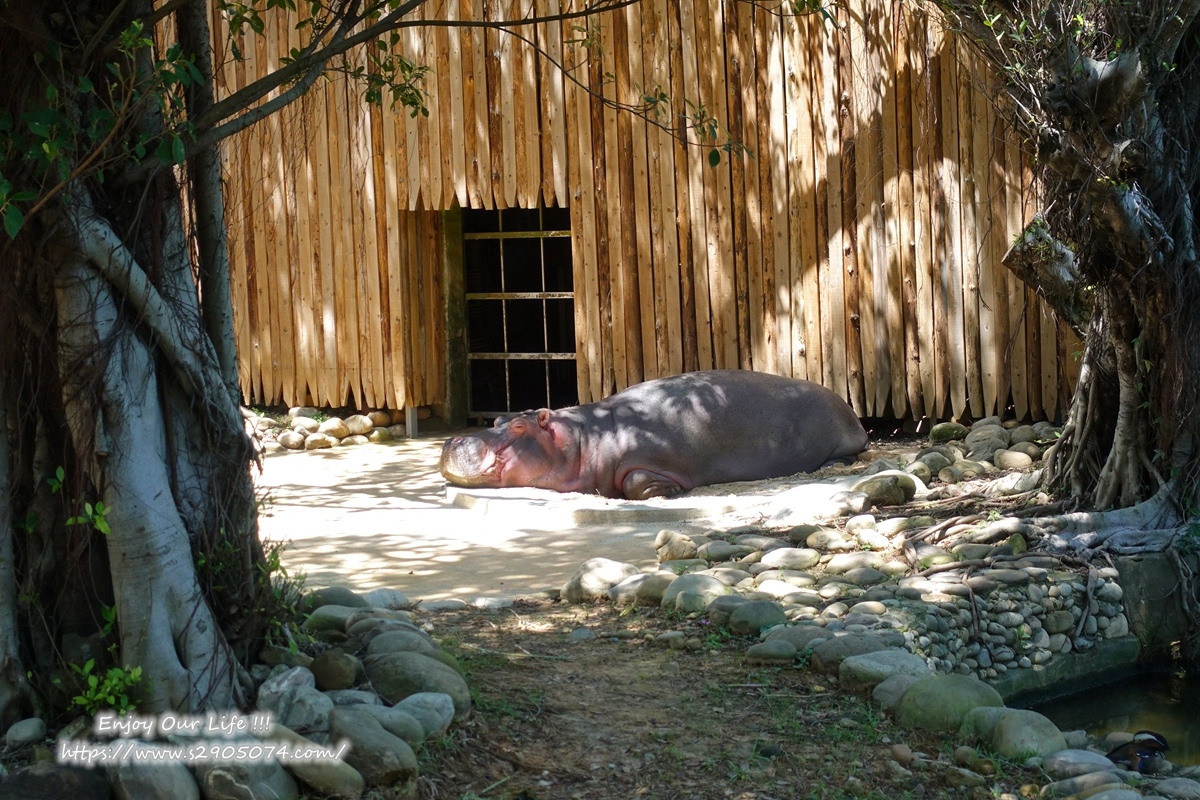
(663, 437)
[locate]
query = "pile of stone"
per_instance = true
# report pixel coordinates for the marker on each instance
(307, 428)
(1021, 610)
(957, 453)
(382, 686)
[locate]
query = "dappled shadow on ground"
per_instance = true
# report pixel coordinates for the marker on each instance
(379, 516)
(375, 516)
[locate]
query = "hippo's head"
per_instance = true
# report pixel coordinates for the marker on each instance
(518, 451)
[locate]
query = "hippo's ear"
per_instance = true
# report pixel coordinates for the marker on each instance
(543, 417)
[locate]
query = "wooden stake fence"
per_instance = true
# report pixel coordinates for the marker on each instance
(858, 243)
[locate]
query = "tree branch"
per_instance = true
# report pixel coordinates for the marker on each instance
(107, 254)
(1042, 261)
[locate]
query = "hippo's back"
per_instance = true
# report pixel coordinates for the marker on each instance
(728, 425)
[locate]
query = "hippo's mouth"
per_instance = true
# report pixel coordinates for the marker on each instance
(468, 461)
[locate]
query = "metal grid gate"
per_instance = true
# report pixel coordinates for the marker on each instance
(517, 278)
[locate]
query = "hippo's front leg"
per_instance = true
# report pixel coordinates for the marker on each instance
(640, 484)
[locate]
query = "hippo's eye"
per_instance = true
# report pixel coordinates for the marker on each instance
(516, 426)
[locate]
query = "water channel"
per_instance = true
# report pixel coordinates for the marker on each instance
(1168, 703)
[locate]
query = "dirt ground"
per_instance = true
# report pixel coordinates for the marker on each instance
(620, 716)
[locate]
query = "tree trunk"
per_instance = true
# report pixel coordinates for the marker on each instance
(165, 624)
(14, 689)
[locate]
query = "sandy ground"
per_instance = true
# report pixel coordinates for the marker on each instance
(380, 515)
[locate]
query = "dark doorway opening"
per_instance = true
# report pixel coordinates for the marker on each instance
(520, 296)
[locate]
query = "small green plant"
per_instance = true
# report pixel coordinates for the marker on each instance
(94, 515)
(110, 690)
(56, 482)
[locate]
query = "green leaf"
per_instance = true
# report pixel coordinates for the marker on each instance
(714, 157)
(14, 220)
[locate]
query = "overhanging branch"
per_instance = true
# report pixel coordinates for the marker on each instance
(1048, 265)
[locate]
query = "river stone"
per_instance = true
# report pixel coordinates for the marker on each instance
(721, 608)
(980, 433)
(889, 691)
(335, 427)
(434, 710)
(674, 546)
(844, 562)
(46, 780)
(947, 432)
(748, 619)
(980, 723)
(319, 441)
(799, 534)
(1119, 626)
(273, 688)
(352, 440)
(780, 589)
(290, 440)
(273, 655)
(1011, 459)
(1028, 448)
(1178, 789)
(893, 489)
(1023, 733)
(919, 470)
(864, 672)
(650, 592)
(333, 596)
(864, 576)
(828, 539)
(941, 702)
(625, 592)
(720, 551)
(774, 651)
(801, 636)
(334, 669)
(367, 614)
(380, 418)
(380, 435)
(705, 587)
(791, 558)
(359, 424)
(1058, 622)
(397, 722)
(305, 423)
(380, 757)
(353, 697)
(684, 566)
(367, 628)
(961, 470)
(331, 617)
(303, 709)
(245, 780)
(398, 641)
(1117, 794)
(930, 555)
(935, 461)
(827, 655)
(1081, 783)
(1070, 763)
(385, 598)
(594, 578)
(27, 731)
(395, 676)
(142, 780)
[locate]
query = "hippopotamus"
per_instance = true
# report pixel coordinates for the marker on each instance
(663, 437)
